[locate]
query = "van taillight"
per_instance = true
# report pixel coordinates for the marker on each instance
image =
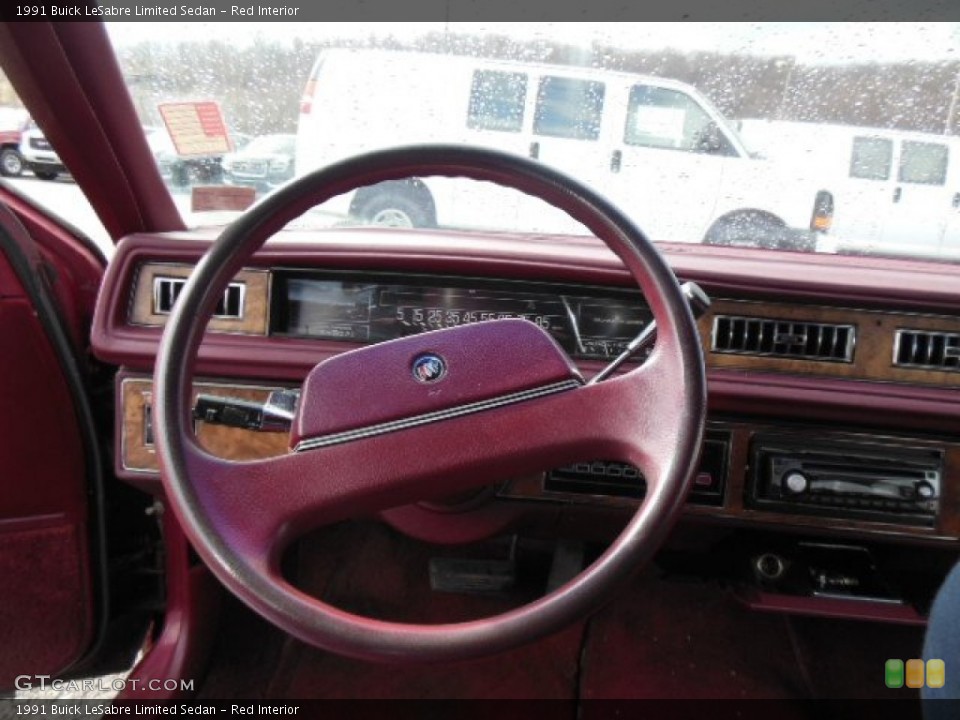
(822, 212)
(306, 101)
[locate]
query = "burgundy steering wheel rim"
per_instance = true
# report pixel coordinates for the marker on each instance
(240, 516)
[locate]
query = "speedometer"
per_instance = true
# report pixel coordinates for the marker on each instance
(588, 322)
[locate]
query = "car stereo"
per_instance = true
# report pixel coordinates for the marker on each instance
(839, 479)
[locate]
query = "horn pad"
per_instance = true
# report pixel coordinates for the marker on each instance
(463, 368)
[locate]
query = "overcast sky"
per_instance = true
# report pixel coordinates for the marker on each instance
(808, 42)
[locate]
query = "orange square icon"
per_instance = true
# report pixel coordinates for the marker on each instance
(936, 673)
(915, 673)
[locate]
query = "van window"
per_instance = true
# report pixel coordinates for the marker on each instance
(497, 100)
(923, 163)
(662, 118)
(569, 108)
(870, 158)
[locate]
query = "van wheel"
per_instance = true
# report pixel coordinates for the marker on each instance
(11, 162)
(392, 209)
(749, 229)
(46, 174)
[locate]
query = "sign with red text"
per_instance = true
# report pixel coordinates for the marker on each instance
(196, 128)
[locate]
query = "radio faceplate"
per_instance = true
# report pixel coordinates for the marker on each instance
(839, 479)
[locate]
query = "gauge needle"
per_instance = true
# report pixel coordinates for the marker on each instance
(699, 304)
(573, 324)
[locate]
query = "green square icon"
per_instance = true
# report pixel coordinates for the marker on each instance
(893, 673)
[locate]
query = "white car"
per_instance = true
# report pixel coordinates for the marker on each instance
(264, 163)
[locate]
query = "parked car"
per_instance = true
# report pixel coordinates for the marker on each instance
(254, 458)
(13, 121)
(264, 162)
(650, 141)
(39, 156)
(186, 171)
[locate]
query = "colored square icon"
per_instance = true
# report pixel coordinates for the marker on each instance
(915, 673)
(893, 673)
(936, 673)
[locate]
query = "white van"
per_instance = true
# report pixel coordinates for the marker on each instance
(896, 192)
(649, 144)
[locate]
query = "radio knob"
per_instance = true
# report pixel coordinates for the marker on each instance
(770, 566)
(796, 482)
(925, 490)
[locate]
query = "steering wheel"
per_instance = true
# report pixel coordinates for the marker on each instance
(431, 415)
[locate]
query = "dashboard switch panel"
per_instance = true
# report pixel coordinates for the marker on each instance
(604, 479)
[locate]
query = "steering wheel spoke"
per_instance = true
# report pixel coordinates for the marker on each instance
(262, 503)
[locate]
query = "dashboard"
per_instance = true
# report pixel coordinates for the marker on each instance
(834, 383)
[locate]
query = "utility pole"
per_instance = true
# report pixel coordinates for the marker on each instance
(952, 110)
(786, 85)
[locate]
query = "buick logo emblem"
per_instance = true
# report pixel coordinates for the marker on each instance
(429, 368)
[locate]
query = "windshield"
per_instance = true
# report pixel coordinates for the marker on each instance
(271, 144)
(809, 137)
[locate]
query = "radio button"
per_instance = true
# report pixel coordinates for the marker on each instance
(926, 491)
(703, 480)
(796, 482)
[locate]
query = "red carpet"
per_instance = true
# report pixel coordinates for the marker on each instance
(661, 638)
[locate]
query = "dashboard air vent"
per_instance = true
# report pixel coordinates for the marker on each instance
(927, 349)
(166, 290)
(769, 337)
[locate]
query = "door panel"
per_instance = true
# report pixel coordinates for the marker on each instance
(921, 202)
(864, 194)
(497, 115)
(951, 233)
(669, 176)
(566, 133)
(524, 114)
(47, 611)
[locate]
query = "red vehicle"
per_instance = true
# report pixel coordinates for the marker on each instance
(13, 121)
(273, 455)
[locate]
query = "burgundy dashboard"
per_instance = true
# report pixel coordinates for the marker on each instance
(834, 382)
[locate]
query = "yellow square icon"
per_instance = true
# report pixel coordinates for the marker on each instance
(936, 673)
(915, 673)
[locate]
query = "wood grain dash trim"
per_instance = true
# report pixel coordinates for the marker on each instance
(224, 442)
(256, 310)
(873, 354)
